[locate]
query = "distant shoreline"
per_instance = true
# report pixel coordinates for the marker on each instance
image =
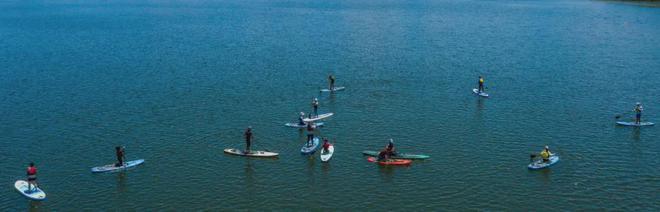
(646, 3)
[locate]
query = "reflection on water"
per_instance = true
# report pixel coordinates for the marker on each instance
(249, 173)
(121, 182)
(636, 133)
(480, 104)
(543, 174)
(387, 172)
(331, 98)
(325, 167)
(34, 206)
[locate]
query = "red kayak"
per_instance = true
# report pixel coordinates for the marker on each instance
(390, 162)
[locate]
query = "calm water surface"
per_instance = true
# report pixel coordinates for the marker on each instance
(176, 82)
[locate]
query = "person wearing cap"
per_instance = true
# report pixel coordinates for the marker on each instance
(638, 112)
(315, 105)
(481, 84)
(248, 139)
(300, 120)
(388, 152)
(545, 154)
(390, 148)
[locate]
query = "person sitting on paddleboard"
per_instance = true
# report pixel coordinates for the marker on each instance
(545, 154)
(383, 155)
(481, 84)
(326, 144)
(310, 133)
(638, 112)
(332, 82)
(315, 105)
(119, 151)
(31, 177)
(300, 120)
(248, 139)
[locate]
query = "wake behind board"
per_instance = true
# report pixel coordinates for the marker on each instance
(251, 153)
(625, 123)
(476, 91)
(539, 164)
(335, 89)
(309, 148)
(298, 125)
(112, 167)
(34, 194)
(319, 117)
(326, 155)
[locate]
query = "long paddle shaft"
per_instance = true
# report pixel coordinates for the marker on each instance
(620, 115)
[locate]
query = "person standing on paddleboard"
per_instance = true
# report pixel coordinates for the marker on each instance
(31, 177)
(310, 133)
(119, 151)
(315, 105)
(638, 113)
(481, 84)
(332, 82)
(248, 139)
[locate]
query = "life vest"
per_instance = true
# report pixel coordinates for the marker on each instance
(32, 172)
(545, 154)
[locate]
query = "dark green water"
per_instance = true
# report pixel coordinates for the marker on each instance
(176, 82)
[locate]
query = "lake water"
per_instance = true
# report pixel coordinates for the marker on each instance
(176, 82)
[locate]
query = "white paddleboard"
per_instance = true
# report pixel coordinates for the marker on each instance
(319, 117)
(325, 156)
(35, 194)
(112, 167)
(336, 89)
(251, 153)
(310, 148)
(625, 123)
(476, 91)
(297, 125)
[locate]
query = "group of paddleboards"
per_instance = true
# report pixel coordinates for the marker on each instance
(636, 122)
(386, 157)
(30, 189)
(311, 123)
